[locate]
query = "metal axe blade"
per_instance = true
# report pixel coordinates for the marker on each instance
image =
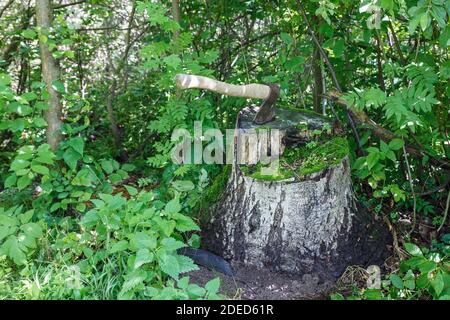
(266, 111)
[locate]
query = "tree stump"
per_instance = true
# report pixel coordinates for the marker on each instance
(305, 220)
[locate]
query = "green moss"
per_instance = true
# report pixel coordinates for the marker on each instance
(301, 161)
(215, 191)
(212, 194)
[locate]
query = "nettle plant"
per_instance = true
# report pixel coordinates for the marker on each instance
(66, 179)
(18, 235)
(143, 235)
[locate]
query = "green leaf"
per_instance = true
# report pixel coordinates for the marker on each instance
(213, 285)
(396, 144)
(39, 122)
(5, 79)
(10, 181)
(19, 164)
(413, 250)
(23, 182)
(183, 186)
(132, 280)
(173, 206)
(45, 159)
(373, 294)
(372, 159)
(58, 86)
(427, 266)
(128, 167)
(32, 229)
(40, 169)
(444, 38)
(196, 290)
(121, 245)
(337, 296)
(169, 265)
(115, 178)
(142, 240)
(11, 248)
(186, 264)
(77, 144)
(107, 166)
(170, 244)
(396, 281)
(286, 38)
(131, 190)
(184, 223)
(71, 158)
(437, 283)
(425, 21)
(143, 256)
(29, 34)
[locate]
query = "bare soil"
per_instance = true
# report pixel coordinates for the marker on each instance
(251, 283)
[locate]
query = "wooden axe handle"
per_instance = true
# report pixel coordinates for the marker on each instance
(252, 90)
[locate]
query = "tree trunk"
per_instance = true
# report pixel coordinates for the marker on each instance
(50, 73)
(176, 15)
(308, 224)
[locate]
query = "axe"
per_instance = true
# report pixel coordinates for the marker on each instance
(269, 93)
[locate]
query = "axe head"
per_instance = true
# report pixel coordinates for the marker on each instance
(266, 112)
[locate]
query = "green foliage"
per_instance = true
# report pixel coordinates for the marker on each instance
(424, 274)
(108, 215)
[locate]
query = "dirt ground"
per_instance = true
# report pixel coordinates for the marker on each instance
(250, 283)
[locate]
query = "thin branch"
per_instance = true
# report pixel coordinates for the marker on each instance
(332, 72)
(397, 44)
(65, 5)
(445, 213)
(412, 189)
(6, 7)
(363, 119)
